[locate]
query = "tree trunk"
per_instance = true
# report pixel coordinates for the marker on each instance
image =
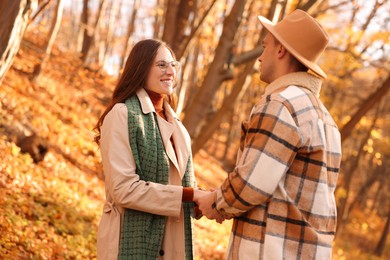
(171, 20)
(93, 32)
(176, 21)
(364, 108)
(14, 18)
(198, 109)
(55, 26)
(230, 136)
(56, 23)
(87, 32)
(363, 191)
(158, 20)
(130, 30)
(309, 4)
(109, 39)
(42, 6)
(381, 193)
(214, 121)
(180, 46)
(382, 241)
(191, 79)
(349, 173)
(373, 177)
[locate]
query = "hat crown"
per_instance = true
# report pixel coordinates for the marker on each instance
(304, 34)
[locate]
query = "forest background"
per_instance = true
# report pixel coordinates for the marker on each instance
(59, 64)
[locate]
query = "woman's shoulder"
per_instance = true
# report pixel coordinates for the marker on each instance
(119, 106)
(119, 110)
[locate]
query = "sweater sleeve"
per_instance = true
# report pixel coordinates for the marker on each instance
(188, 194)
(122, 182)
(269, 147)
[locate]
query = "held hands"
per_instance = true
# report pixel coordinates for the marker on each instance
(206, 203)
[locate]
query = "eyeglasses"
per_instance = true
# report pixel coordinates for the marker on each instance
(163, 65)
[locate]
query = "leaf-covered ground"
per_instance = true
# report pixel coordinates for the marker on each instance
(51, 210)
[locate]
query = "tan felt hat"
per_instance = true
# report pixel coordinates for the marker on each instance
(302, 36)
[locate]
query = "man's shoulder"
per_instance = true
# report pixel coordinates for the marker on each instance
(286, 96)
(294, 99)
(289, 93)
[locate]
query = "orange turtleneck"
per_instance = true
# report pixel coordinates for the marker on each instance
(158, 101)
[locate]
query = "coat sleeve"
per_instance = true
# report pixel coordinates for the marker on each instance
(270, 144)
(122, 183)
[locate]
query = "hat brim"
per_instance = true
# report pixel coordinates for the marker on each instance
(270, 26)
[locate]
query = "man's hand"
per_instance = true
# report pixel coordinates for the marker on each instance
(206, 203)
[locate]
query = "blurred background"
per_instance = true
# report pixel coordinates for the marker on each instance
(60, 60)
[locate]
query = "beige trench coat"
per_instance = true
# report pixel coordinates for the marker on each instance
(124, 189)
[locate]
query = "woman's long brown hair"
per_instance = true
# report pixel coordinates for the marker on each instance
(134, 76)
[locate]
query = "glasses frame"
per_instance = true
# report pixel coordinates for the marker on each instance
(163, 65)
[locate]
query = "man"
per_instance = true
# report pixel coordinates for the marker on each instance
(281, 192)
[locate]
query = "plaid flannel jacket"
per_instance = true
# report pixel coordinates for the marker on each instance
(281, 191)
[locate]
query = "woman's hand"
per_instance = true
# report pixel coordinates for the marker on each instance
(206, 203)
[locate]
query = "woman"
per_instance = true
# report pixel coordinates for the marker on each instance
(147, 163)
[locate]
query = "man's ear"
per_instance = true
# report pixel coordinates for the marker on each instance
(281, 51)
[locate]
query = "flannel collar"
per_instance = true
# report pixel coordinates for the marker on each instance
(300, 79)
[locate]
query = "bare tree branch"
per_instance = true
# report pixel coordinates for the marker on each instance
(41, 7)
(364, 108)
(183, 46)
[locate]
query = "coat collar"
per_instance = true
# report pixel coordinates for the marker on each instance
(147, 106)
(146, 103)
(300, 79)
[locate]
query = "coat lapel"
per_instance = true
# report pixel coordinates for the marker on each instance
(182, 144)
(167, 130)
(173, 128)
(182, 148)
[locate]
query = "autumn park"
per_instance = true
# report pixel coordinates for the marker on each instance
(60, 61)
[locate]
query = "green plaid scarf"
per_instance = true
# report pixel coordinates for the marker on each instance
(141, 232)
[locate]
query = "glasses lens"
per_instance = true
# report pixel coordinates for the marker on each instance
(175, 65)
(163, 65)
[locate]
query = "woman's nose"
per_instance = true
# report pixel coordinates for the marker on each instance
(170, 69)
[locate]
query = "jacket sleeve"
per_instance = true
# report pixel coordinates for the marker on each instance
(122, 183)
(269, 147)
